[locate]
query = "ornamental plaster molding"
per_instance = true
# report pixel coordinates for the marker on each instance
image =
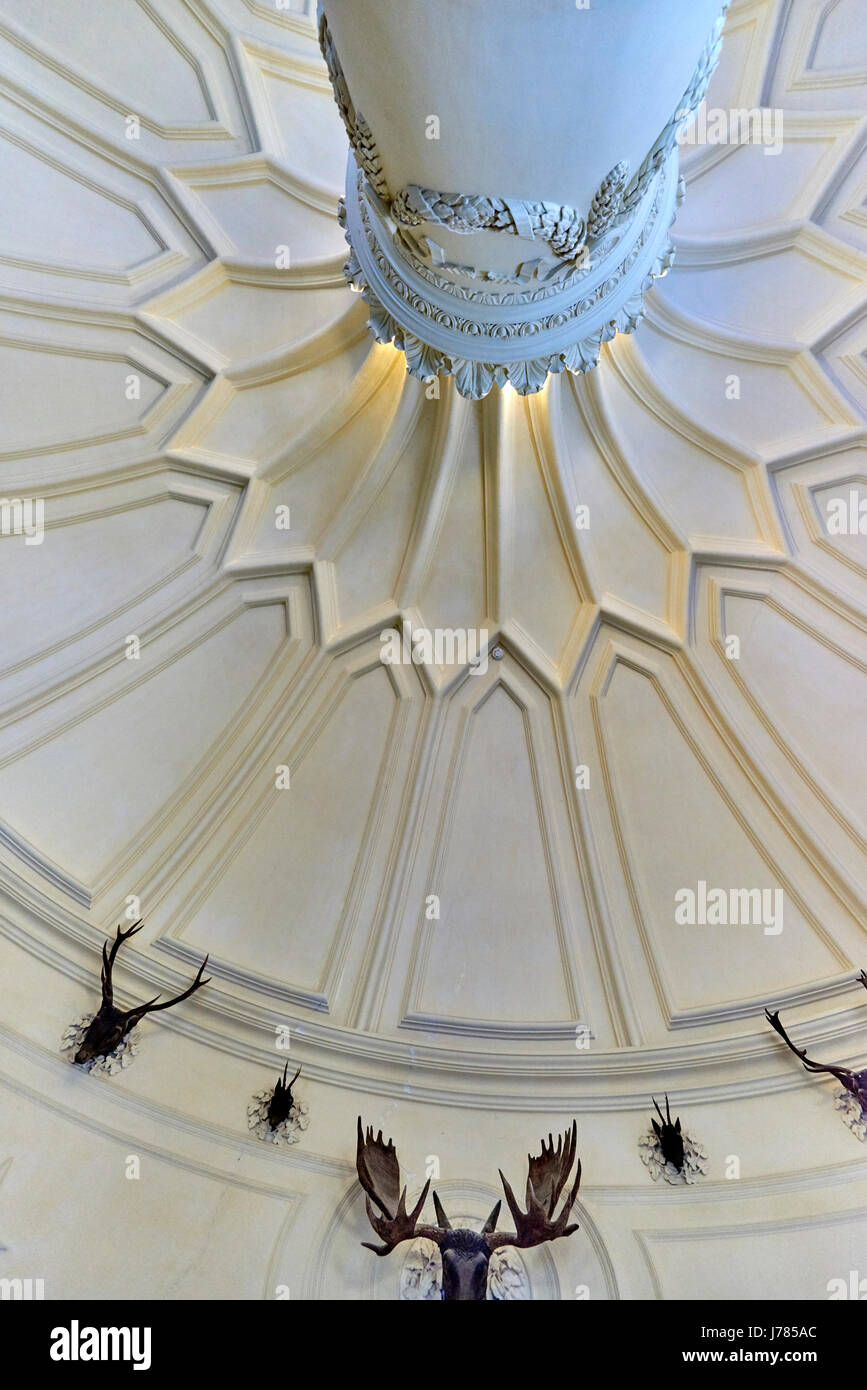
(689, 103)
(289, 1131)
(360, 135)
(852, 1114)
(611, 303)
(565, 231)
(545, 277)
(484, 1078)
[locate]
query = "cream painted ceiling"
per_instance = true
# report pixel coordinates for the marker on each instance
(260, 387)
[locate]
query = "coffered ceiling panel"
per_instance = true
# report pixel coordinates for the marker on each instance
(321, 834)
(706, 837)
(825, 692)
(157, 720)
(121, 549)
(821, 58)
(481, 959)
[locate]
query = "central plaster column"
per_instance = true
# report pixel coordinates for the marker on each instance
(513, 171)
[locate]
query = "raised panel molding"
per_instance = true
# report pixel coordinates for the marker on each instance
(495, 815)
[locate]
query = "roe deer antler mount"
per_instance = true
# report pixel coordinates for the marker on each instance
(466, 1254)
(276, 1115)
(110, 1025)
(669, 1152)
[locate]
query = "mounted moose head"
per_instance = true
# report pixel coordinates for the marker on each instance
(281, 1101)
(670, 1137)
(855, 1082)
(109, 1025)
(466, 1254)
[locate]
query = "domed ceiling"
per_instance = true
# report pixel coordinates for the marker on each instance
(443, 881)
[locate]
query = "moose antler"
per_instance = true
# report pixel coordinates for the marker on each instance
(547, 1175)
(465, 1254)
(379, 1175)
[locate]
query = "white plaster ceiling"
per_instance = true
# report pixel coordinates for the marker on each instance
(261, 387)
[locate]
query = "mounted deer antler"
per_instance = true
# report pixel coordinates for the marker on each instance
(670, 1136)
(466, 1254)
(109, 1026)
(855, 1082)
(282, 1099)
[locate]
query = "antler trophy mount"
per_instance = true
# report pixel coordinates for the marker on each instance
(104, 1039)
(852, 1100)
(276, 1114)
(466, 1254)
(669, 1152)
